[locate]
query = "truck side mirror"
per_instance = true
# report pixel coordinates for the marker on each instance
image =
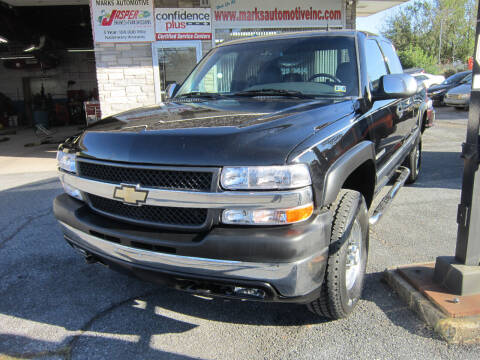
(394, 86)
(170, 90)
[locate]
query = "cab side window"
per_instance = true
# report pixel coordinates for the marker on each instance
(376, 66)
(392, 59)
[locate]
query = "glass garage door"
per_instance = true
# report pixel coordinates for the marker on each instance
(173, 61)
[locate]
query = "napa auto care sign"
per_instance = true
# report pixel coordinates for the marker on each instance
(116, 21)
(183, 24)
(245, 14)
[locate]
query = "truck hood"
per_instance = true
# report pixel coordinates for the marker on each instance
(253, 131)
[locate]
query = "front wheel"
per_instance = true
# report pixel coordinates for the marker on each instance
(343, 283)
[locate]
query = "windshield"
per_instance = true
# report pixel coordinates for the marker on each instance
(313, 66)
(454, 78)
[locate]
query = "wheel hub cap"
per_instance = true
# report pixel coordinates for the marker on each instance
(354, 255)
(417, 159)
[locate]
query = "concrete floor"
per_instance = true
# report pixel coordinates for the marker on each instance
(54, 306)
(20, 164)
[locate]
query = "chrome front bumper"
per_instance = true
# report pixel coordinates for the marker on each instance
(290, 279)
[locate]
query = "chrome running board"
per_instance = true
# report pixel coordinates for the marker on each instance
(387, 199)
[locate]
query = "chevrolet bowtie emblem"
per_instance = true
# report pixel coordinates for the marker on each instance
(130, 194)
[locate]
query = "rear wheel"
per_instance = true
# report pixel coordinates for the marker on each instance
(343, 283)
(424, 122)
(414, 162)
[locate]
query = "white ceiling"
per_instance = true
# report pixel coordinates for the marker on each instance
(45, 2)
(370, 7)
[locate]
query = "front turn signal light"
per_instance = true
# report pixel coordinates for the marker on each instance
(299, 214)
(267, 216)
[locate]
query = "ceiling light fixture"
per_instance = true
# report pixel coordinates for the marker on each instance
(41, 44)
(80, 50)
(16, 57)
(3, 40)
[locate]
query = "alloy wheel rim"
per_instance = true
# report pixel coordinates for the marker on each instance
(417, 159)
(354, 256)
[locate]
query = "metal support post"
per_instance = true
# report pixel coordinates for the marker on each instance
(461, 274)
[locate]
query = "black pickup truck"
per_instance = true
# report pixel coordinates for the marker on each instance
(255, 179)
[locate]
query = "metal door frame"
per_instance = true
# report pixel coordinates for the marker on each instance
(197, 44)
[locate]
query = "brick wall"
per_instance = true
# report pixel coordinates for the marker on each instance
(125, 76)
(125, 71)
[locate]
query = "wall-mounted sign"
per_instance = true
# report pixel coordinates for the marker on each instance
(183, 24)
(244, 14)
(122, 20)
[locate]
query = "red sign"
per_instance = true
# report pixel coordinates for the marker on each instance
(184, 36)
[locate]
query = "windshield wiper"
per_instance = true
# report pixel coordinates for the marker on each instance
(201, 94)
(273, 92)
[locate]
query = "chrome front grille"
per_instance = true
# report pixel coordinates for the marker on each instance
(201, 180)
(147, 176)
(149, 215)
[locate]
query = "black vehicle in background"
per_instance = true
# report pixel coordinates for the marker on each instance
(437, 92)
(254, 180)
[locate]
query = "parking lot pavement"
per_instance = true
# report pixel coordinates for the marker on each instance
(55, 306)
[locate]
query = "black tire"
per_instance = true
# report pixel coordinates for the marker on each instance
(339, 295)
(424, 123)
(414, 162)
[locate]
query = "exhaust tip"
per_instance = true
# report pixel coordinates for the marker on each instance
(90, 259)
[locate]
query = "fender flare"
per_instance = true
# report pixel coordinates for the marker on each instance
(345, 165)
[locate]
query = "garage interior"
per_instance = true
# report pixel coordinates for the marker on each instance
(47, 63)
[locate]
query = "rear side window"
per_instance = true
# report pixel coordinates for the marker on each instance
(376, 66)
(467, 78)
(421, 77)
(392, 59)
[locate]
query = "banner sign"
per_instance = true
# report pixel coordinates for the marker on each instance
(183, 24)
(254, 14)
(122, 20)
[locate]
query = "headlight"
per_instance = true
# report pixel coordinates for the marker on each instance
(464, 96)
(267, 216)
(66, 161)
(265, 177)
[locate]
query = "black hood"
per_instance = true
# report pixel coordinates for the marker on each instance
(210, 133)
